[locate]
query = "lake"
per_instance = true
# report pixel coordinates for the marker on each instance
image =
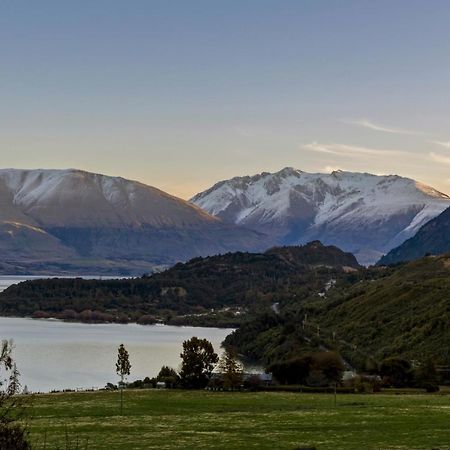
(59, 355)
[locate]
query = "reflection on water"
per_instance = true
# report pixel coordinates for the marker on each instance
(57, 355)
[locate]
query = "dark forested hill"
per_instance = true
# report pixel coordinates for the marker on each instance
(230, 284)
(402, 311)
(433, 238)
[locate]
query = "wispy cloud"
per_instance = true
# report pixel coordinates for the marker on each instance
(442, 144)
(442, 159)
(365, 123)
(352, 150)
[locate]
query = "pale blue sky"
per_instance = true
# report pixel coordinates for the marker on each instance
(180, 94)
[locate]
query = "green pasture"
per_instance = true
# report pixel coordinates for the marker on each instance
(176, 419)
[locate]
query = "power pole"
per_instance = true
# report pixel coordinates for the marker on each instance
(304, 322)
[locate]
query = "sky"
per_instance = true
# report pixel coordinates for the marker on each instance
(182, 94)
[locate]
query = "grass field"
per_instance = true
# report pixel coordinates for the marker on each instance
(208, 420)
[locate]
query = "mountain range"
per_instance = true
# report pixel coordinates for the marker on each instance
(80, 222)
(362, 213)
(72, 221)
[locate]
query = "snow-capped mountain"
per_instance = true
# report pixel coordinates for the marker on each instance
(64, 218)
(359, 212)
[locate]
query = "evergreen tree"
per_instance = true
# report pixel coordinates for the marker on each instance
(231, 369)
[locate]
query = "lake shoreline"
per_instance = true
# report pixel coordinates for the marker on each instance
(57, 355)
(47, 298)
(57, 319)
(163, 324)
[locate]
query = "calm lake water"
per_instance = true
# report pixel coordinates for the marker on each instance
(57, 355)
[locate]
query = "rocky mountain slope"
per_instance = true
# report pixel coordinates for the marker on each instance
(365, 214)
(75, 221)
(433, 238)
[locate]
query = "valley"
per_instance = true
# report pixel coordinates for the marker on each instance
(225, 225)
(220, 266)
(324, 300)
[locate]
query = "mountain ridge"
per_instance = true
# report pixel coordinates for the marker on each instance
(82, 221)
(359, 212)
(433, 238)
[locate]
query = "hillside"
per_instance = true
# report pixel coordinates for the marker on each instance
(71, 221)
(286, 302)
(236, 284)
(433, 239)
(392, 312)
(364, 214)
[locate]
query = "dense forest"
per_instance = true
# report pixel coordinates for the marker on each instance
(213, 291)
(401, 311)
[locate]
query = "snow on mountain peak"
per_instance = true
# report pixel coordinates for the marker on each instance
(80, 198)
(89, 222)
(348, 209)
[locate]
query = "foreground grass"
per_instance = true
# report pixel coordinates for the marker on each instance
(208, 420)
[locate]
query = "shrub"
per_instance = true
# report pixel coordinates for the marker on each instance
(146, 319)
(431, 387)
(292, 371)
(253, 382)
(13, 437)
(315, 369)
(396, 372)
(169, 376)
